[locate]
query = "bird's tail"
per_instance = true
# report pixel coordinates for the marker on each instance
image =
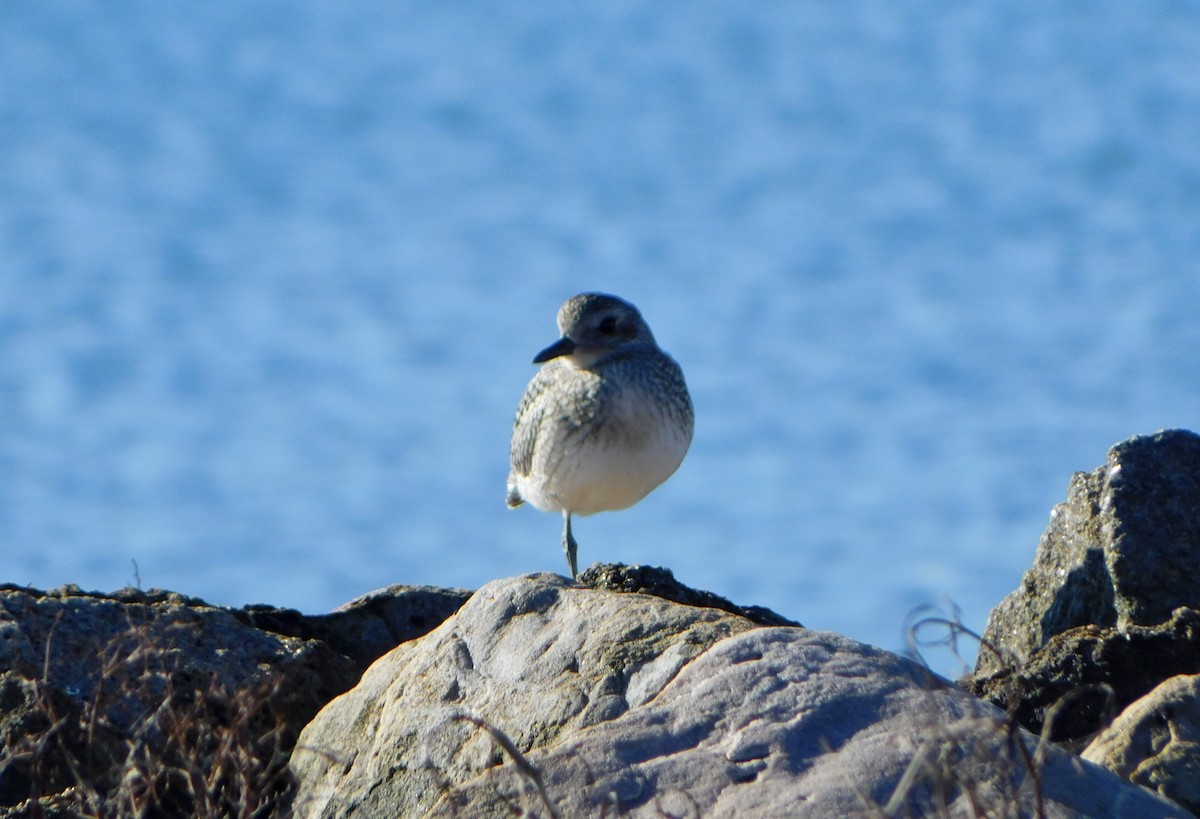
(513, 499)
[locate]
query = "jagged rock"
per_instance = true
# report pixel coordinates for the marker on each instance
(59, 806)
(660, 582)
(367, 627)
(28, 712)
(627, 704)
(110, 695)
(1156, 742)
(73, 639)
(1085, 676)
(1123, 550)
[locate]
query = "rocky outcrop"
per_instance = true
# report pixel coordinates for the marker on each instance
(626, 694)
(659, 582)
(156, 704)
(1123, 550)
(1156, 742)
(1074, 685)
(368, 626)
(545, 697)
(1109, 617)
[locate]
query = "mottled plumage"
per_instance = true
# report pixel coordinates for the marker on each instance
(605, 420)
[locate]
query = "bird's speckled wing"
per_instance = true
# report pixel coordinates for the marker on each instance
(529, 419)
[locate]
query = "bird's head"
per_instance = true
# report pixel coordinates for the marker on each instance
(593, 325)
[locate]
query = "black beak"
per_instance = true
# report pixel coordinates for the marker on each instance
(564, 346)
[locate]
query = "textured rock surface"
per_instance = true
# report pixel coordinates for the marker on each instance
(660, 582)
(132, 692)
(535, 656)
(367, 627)
(1156, 742)
(1087, 675)
(1124, 549)
(626, 704)
(71, 639)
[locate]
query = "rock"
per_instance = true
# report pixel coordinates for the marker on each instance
(1156, 742)
(367, 627)
(119, 699)
(1123, 550)
(1085, 676)
(660, 582)
(538, 693)
(27, 714)
(506, 653)
(1153, 553)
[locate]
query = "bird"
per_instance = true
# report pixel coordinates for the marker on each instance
(604, 421)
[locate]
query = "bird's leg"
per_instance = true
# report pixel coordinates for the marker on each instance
(570, 547)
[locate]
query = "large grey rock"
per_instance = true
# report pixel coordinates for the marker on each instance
(1124, 549)
(534, 655)
(1156, 742)
(624, 704)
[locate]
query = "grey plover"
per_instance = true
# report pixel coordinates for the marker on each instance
(606, 419)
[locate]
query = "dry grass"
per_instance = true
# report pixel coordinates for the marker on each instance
(149, 740)
(993, 744)
(942, 779)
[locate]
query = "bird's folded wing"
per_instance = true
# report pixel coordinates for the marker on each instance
(529, 420)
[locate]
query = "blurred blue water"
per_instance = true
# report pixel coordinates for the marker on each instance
(271, 276)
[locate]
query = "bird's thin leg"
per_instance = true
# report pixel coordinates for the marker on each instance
(570, 547)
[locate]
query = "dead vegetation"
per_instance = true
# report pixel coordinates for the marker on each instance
(147, 738)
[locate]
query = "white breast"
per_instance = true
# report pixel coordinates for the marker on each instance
(612, 467)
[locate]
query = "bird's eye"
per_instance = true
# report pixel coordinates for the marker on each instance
(608, 325)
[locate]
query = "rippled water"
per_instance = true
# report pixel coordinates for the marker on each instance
(271, 277)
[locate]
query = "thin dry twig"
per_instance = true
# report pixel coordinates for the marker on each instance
(524, 766)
